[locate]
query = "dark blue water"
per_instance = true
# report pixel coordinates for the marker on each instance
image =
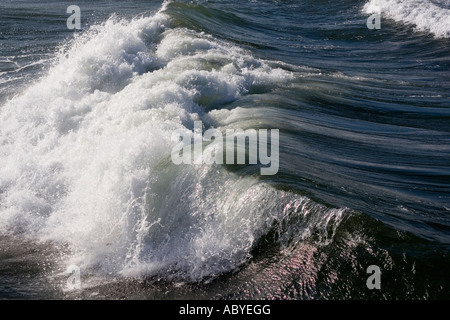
(87, 115)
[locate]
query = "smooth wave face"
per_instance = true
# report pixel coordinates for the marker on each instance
(86, 176)
(425, 15)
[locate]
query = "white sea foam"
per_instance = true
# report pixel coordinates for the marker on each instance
(85, 153)
(425, 15)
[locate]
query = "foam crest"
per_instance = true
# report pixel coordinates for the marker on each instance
(433, 17)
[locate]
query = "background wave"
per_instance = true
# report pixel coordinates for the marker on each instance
(428, 16)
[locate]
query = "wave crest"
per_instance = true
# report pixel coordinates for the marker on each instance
(424, 15)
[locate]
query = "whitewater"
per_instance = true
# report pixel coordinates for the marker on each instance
(86, 153)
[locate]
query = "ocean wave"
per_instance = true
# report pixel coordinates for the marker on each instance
(85, 154)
